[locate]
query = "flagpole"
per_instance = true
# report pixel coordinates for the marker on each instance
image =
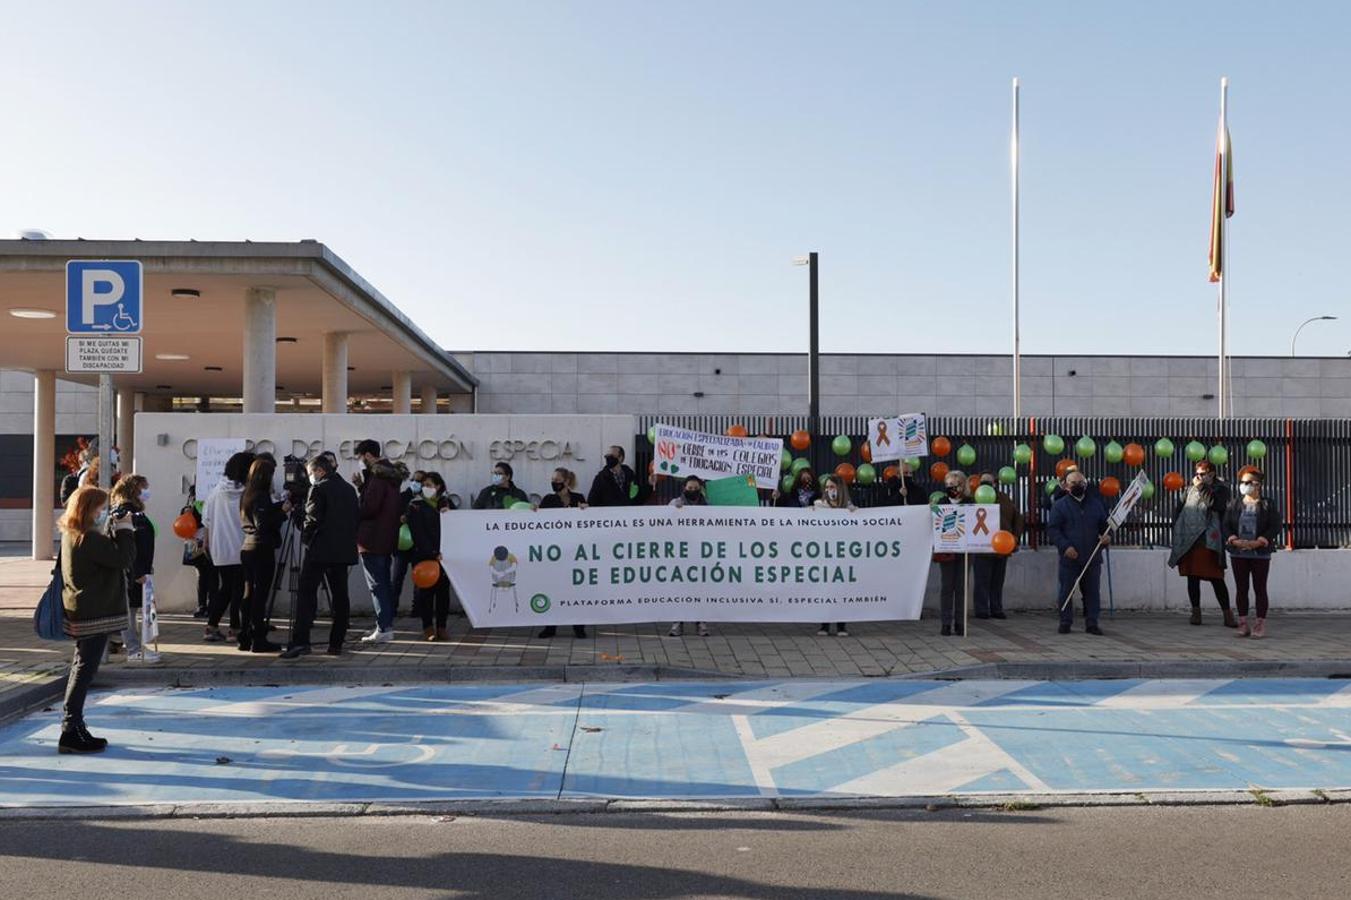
(1224, 242)
(1017, 336)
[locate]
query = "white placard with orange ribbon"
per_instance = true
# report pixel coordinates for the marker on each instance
(898, 437)
(965, 529)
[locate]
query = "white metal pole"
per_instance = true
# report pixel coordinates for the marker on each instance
(1017, 336)
(1223, 200)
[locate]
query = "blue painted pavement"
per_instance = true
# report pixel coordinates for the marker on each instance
(687, 740)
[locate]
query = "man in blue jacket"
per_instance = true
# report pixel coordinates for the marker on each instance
(1078, 523)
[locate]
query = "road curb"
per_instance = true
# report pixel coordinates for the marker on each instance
(598, 806)
(20, 701)
(314, 674)
(1080, 670)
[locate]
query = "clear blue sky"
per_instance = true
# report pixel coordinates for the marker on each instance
(633, 175)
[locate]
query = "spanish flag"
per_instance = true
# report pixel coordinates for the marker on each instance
(1222, 202)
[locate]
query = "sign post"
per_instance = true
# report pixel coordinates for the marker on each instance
(104, 307)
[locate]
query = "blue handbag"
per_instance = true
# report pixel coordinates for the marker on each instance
(49, 619)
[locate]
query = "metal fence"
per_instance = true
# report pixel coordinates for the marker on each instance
(1307, 462)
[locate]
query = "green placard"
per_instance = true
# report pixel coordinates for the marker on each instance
(738, 490)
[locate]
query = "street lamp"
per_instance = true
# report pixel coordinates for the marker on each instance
(813, 343)
(1301, 328)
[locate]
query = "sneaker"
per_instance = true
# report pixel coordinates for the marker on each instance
(823, 631)
(213, 636)
(842, 632)
(379, 637)
(144, 657)
(1242, 627)
(703, 629)
(1259, 628)
(676, 630)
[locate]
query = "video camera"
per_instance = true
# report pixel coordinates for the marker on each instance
(295, 480)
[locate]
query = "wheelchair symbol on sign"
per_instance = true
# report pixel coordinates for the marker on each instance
(344, 755)
(122, 321)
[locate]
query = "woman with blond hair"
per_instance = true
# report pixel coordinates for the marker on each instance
(130, 495)
(93, 570)
(951, 582)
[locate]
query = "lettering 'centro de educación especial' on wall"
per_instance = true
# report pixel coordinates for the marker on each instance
(449, 448)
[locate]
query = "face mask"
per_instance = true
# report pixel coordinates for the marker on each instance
(497, 478)
(692, 496)
(113, 456)
(1247, 489)
(611, 461)
(832, 494)
(413, 486)
(101, 518)
(557, 486)
(955, 491)
(1077, 490)
(145, 497)
(429, 492)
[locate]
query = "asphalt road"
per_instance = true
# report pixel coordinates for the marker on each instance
(1192, 852)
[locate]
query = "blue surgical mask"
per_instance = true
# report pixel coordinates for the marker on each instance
(101, 518)
(497, 478)
(145, 497)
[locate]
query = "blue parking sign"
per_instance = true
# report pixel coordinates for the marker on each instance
(104, 296)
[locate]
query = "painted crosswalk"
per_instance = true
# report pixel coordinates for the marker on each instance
(696, 740)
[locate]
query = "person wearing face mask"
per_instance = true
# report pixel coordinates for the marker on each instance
(564, 496)
(952, 589)
(261, 518)
(692, 494)
(902, 489)
(129, 496)
(398, 572)
(1252, 523)
(1198, 548)
(424, 524)
(1077, 524)
(329, 534)
(835, 496)
(616, 484)
(224, 539)
(990, 568)
(502, 492)
(803, 494)
(96, 551)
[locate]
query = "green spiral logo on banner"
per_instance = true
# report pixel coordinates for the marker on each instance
(540, 603)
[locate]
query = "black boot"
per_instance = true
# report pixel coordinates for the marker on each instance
(78, 741)
(547, 631)
(96, 741)
(579, 631)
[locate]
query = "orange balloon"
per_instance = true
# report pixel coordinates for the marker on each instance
(866, 451)
(972, 482)
(1003, 542)
(1172, 482)
(800, 440)
(890, 472)
(941, 446)
(1109, 487)
(737, 431)
(1133, 455)
(427, 573)
(938, 471)
(846, 471)
(185, 526)
(1063, 467)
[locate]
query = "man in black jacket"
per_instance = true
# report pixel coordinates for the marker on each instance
(330, 538)
(616, 484)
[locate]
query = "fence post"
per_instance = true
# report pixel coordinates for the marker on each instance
(1032, 495)
(1290, 484)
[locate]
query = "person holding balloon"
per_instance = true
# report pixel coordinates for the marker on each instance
(835, 497)
(1198, 549)
(990, 568)
(802, 491)
(956, 493)
(424, 526)
(1077, 526)
(1251, 525)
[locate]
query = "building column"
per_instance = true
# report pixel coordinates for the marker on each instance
(403, 393)
(126, 428)
(260, 350)
(44, 462)
(428, 399)
(335, 372)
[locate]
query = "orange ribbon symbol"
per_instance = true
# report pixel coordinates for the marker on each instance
(981, 527)
(882, 434)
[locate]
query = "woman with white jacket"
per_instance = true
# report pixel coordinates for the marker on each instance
(224, 540)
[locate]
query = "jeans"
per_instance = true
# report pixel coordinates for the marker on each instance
(1088, 587)
(951, 593)
(207, 580)
(259, 567)
(990, 571)
(131, 635)
(1255, 570)
(307, 603)
(230, 594)
(83, 667)
(375, 566)
(398, 573)
(434, 601)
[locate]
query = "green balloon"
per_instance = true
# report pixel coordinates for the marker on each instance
(1052, 485)
(985, 494)
(1163, 447)
(1022, 454)
(1112, 452)
(1218, 455)
(786, 483)
(866, 474)
(1256, 449)
(1196, 451)
(520, 505)
(652, 434)
(785, 459)
(1147, 491)
(405, 538)
(1085, 447)
(1008, 475)
(914, 464)
(937, 497)
(966, 455)
(798, 465)
(841, 445)
(1053, 444)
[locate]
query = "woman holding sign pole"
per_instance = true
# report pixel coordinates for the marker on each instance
(836, 496)
(952, 590)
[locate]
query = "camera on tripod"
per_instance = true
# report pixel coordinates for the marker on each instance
(295, 481)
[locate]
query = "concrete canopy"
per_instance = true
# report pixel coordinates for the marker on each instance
(316, 293)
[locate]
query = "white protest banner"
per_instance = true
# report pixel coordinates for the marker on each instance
(898, 437)
(679, 452)
(705, 564)
(964, 529)
(1129, 497)
(212, 455)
